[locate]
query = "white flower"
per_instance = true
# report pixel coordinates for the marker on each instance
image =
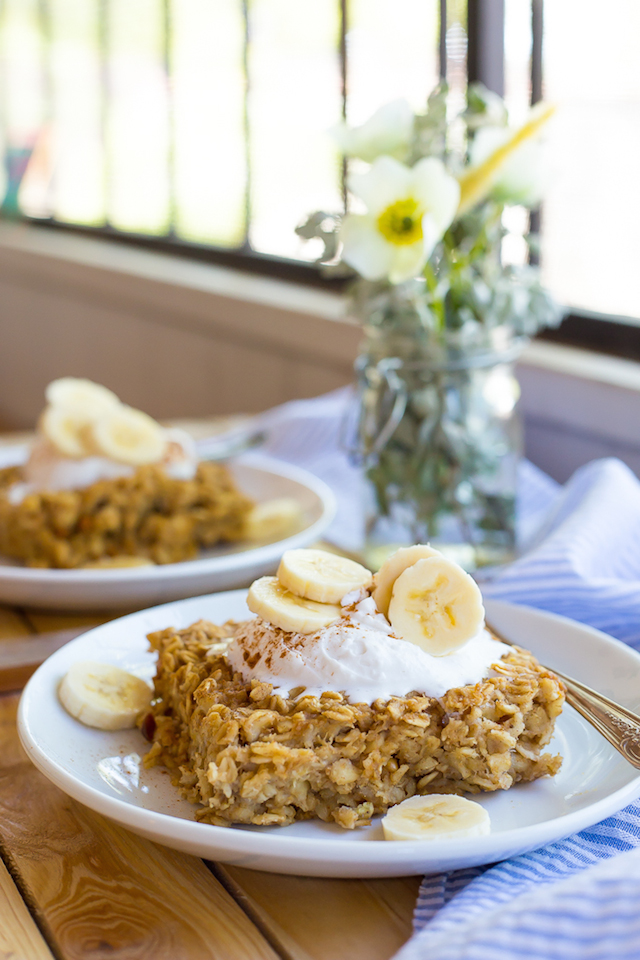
(388, 132)
(525, 174)
(408, 211)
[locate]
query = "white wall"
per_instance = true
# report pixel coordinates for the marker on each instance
(579, 406)
(176, 338)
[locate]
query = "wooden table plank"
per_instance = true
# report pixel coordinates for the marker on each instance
(44, 620)
(12, 624)
(20, 657)
(19, 936)
(313, 918)
(99, 891)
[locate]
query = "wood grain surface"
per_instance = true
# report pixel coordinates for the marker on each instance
(311, 918)
(13, 624)
(20, 657)
(100, 892)
(19, 936)
(41, 621)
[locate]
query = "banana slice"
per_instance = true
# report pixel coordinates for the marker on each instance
(436, 605)
(129, 436)
(103, 696)
(66, 431)
(84, 396)
(436, 817)
(322, 576)
(273, 519)
(274, 603)
(393, 567)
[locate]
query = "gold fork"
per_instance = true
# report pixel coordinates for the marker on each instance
(621, 727)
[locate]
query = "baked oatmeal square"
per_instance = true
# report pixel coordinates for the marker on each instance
(248, 755)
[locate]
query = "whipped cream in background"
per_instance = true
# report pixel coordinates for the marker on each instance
(357, 655)
(48, 470)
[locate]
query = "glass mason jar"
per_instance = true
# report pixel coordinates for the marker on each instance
(439, 439)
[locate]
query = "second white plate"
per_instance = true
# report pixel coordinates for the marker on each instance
(221, 568)
(103, 770)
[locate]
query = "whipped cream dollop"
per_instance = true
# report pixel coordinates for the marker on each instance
(48, 470)
(358, 656)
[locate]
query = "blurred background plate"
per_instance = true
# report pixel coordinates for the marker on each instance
(220, 568)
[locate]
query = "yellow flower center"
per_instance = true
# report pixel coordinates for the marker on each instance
(401, 223)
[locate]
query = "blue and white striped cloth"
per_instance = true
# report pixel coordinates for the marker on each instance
(579, 898)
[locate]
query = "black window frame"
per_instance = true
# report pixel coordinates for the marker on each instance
(616, 336)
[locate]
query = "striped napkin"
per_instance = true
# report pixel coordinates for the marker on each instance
(579, 898)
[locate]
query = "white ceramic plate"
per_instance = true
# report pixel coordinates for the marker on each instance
(217, 569)
(101, 769)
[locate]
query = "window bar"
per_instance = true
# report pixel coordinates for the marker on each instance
(485, 54)
(171, 173)
(537, 24)
(103, 43)
(44, 20)
(342, 53)
(536, 50)
(246, 247)
(442, 40)
(4, 155)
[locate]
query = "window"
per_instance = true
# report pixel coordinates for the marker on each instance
(590, 243)
(203, 122)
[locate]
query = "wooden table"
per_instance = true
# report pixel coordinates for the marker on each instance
(74, 886)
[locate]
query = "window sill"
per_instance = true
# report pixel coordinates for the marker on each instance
(588, 391)
(576, 404)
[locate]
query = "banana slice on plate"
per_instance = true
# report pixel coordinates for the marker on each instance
(436, 605)
(129, 436)
(436, 817)
(84, 396)
(103, 696)
(393, 567)
(66, 431)
(322, 576)
(269, 599)
(273, 519)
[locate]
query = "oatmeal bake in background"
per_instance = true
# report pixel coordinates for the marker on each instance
(345, 696)
(106, 481)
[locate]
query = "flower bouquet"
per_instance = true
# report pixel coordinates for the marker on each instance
(444, 316)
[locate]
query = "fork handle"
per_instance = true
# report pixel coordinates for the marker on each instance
(618, 725)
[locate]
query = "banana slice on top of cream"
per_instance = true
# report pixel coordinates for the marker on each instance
(305, 595)
(129, 436)
(436, 817)
(429, 600)
(82, 396)
(85, 419)
(436, 605)
(391, 569)
(322, 576)
(65, 429)
(269, 599)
